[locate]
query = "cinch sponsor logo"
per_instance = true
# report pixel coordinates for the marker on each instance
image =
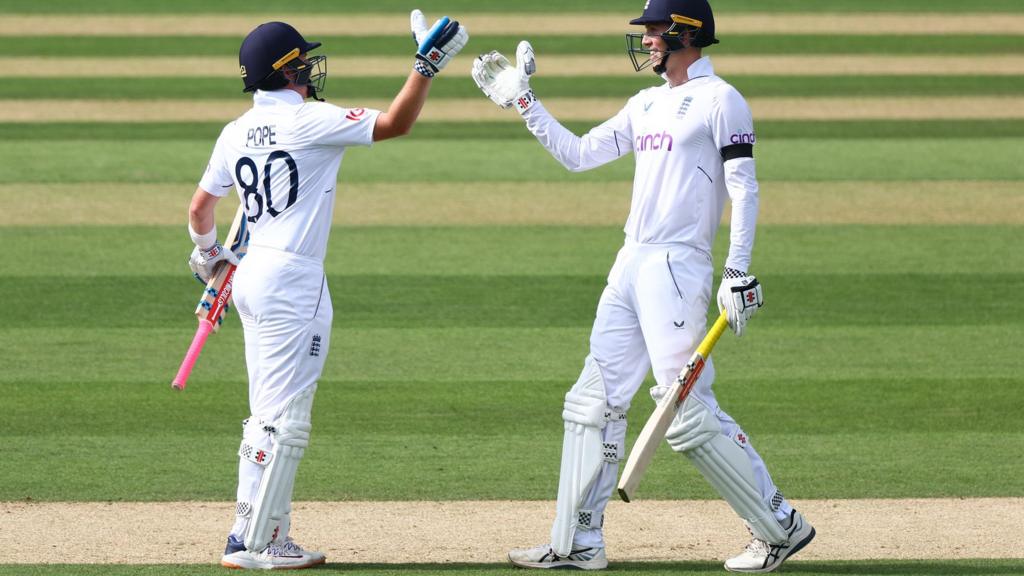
(654, 142)
(748, 138)
(355, 114)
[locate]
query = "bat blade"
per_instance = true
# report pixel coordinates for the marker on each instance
(214, 302)
(654, 430)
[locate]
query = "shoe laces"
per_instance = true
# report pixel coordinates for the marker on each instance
(758, 547)
(290, 545)
(274, 549)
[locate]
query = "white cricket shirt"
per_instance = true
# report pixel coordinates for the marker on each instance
(681, 181)
(283, 156)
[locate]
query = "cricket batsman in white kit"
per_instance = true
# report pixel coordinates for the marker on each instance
(692, 139)
(282, 157)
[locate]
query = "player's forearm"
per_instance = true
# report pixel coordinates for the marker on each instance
(201, 212)
(741, 181)
(574, 152)
(404, 110)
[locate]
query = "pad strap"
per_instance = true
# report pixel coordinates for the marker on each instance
(253, 454)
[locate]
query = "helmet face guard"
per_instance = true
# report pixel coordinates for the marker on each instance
(680, 35)
(311, 72)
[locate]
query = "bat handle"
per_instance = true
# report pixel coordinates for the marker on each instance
(205, 326)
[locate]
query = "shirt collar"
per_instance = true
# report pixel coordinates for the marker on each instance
(283, 96)
(702, 67)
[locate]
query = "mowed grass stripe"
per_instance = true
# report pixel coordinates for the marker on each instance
(544, 361)
(454, 439)
(83, 251)
(462, 130)
(482, 109)
(469, 6)
(611, 65)
(531, 203)
(374, 46)
(554, 301)
(487, 160)
(509, 23)
(351, 88)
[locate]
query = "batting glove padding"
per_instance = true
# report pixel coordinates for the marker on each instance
(438, 45)
(204, 262)
(503, 83)
(740, 297)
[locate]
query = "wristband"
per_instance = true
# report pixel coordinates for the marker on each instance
(203, 241)
(732, 273)
(425, 70)
(524, 101)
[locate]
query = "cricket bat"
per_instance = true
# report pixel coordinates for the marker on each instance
(654, 430)
(216, 296)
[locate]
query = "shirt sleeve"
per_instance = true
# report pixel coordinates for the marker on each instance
(733, 130)
(609, 141)
(217, 179)
(335, 126)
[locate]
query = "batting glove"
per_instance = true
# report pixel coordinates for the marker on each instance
(505, 84)
(204, 262)
(438, 45)
(740, 296)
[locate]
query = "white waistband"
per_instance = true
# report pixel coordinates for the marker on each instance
(284, 255)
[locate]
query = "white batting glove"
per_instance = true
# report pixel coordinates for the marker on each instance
(204, 262)
(505, 84)
(740, 296)
(435, 47)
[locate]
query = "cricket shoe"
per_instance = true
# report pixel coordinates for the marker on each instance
(544, 557)
(285, 555)
(761, 556)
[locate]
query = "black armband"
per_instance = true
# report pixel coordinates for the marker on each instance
(734, 151)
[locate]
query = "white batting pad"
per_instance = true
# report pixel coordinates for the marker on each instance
(584, 454)
(290, 437)
(696, 432)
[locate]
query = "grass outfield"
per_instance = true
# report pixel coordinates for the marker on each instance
(488, 338)
(593, 86)
(885, 364)
(472, 160)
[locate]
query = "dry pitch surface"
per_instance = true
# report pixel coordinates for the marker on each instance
(440, 532)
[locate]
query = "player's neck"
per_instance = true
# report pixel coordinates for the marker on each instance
(301, 90)
(678, 65)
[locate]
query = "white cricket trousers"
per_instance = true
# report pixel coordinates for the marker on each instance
(285, 308)
(651, 316)
(286, 312)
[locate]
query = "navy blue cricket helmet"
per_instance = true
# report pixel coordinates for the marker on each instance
(274, 47)
(682, 14)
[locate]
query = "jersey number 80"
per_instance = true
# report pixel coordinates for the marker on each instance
(251, 185)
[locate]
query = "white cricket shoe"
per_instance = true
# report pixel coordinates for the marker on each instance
(285, 555)
(544, 557)
(761, 556)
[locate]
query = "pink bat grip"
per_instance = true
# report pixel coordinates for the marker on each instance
(205, 327)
